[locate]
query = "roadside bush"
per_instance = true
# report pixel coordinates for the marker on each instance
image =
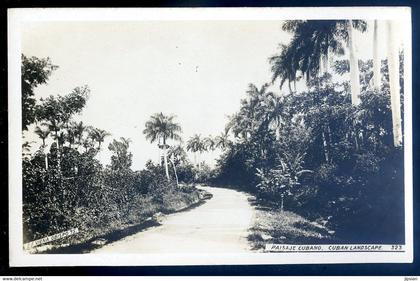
(93, 199)
(186, 173)
(205, 174)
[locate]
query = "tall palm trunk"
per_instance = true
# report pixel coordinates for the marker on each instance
(45, 153)
(376, 59)
(323, 64)
(324, 144)
(354, 67)
(282, 203)
(46, 159)
(165, 158)
(176, 175)
(394, 85)
(356, 141)
(330, 60)
(330, 141)
(46, 162)
(58, 154)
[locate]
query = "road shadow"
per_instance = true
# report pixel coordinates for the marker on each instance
(101, 241)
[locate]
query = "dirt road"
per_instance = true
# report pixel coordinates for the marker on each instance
(219, 225)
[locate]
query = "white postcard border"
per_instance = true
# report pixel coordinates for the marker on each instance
(16, 17)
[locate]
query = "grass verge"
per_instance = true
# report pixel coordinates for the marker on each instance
(272, 226)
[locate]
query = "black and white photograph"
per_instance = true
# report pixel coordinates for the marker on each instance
(210, 136)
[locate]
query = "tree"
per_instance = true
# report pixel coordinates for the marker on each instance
(313, 42)
(354, 66)
(176, 155)
(196, 144)
(252, 114)
(71, 135)
(240, 125)
(78, 128)
(34, 72)
(284, 67)
(98, 135)
(284, 178)
(394, 82)
(121, 158)
(209, 144)
(43, 135)
(87, 143)
(222, 141)
(274, 112)
(162, 128)
(376, 58)
(56, 113)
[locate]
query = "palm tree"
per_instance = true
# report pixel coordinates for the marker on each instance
(222, 141)
(126, 141)
(312, 44)
(87, 143)
(274, 108)
(209, 143)
(43, 134)
(121, 158)
(71, 135)
(393, 66)
(61, 138)
(196, 144)
(354, 66)
(284, 67)
(352, 25)
(79, 129)
(251, 114)
(176, 154)
(98, 135)
(376, 58)
(55, 126)
(394, 85)
(240, 124)
(161, 128)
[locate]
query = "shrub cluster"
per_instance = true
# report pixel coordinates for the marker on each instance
(93, 198)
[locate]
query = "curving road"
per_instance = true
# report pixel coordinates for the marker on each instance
(219, 225)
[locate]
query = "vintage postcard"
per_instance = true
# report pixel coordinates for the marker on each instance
(207, 136)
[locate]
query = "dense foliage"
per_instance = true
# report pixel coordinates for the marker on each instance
(94, 199)
(34, 72)
(315, 152)
(325, 159)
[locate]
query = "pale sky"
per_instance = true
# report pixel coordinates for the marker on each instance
(197, 71)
